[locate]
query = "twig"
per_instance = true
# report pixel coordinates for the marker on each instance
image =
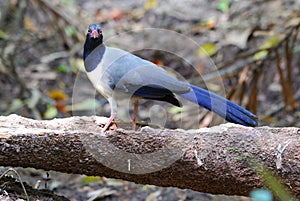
(252, 103)
(20, 180)
(62, 14)
(282, 80)
(288, 55)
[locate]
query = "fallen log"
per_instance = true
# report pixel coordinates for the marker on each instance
(226, 159)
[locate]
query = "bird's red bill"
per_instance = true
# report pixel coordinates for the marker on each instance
(95, 34)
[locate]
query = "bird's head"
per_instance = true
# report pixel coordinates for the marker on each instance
(94, 38)
(94, 32)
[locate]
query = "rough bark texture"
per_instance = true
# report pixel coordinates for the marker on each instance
(226, 159)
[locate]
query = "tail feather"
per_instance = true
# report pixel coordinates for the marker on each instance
(223, 107)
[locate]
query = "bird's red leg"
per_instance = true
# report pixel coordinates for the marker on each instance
(111, 118)
(135, 113)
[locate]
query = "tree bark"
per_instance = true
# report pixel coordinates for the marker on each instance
(226, 159)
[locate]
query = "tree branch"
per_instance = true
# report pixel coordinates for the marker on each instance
(220, 160)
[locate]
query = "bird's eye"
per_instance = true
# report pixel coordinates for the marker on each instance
(89, 31)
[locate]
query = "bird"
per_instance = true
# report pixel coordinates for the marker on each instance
(116, 71)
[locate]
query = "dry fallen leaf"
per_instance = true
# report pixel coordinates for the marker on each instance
(157, 62)
(238, 37)
(101, 193)
(58, 95)
(116, 14)
(150, 4)
(29, 25)
(61, 107)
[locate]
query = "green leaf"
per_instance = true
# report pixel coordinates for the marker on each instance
(69, 2)
(70, 30)
(14, 106)
(271, 42)
(77, 64)
(223, 5)
(260, 55)
(175, 110)
(150, 4)
(296, 48)
(3, 35)
(213, 87)
(62, 69)
(206, 50)
(51, 112)
(88, 104)
(90, 179)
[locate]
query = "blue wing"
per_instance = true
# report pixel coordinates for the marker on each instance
(133, 75)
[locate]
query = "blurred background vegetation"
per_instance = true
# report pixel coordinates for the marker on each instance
(253, 45)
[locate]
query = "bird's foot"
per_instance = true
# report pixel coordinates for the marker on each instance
(112, 126)
(107, 124)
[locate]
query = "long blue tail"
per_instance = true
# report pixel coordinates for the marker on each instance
(223, 107)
